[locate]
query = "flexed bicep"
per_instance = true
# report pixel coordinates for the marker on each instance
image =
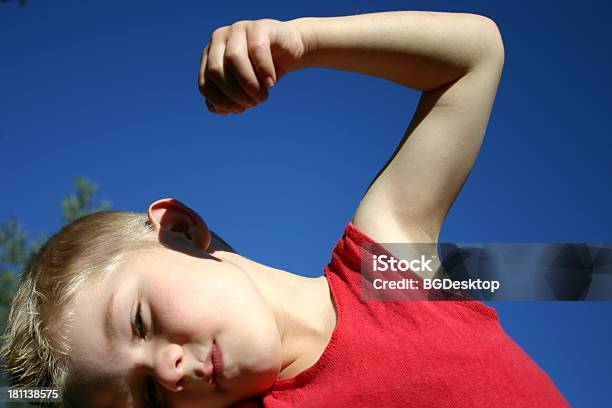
(412, 194)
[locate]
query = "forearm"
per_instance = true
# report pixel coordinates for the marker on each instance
(418, 49)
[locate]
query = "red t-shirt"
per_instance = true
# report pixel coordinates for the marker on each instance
(411, 353)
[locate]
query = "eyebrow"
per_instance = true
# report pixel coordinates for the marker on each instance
(109, 326)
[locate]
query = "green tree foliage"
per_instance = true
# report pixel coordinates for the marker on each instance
(15, 249)
(16, 246)
(80, 204)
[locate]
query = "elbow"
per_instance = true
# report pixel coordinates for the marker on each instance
(493, 44)
(485, 39)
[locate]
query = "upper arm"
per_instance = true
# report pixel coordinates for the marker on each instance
(411, 196)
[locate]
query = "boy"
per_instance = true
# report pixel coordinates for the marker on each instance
(124, 309)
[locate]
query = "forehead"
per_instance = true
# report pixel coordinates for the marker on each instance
(92, 353)
(99, 363)
(147, 259)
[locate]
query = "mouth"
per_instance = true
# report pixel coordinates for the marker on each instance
(217, 362)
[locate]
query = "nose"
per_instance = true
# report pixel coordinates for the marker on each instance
(169, 367)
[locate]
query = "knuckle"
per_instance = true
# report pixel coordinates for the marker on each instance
(256, 46)
(215, 71)
(233, 55)
(264, 22)
(219, 32)
(239, 24)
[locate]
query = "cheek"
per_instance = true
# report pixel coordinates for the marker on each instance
(227, 306)
(178, 308)
(195, 302)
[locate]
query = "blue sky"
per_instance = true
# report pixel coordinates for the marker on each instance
(108, 91)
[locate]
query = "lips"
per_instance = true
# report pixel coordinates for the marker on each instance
(208, 368)
(217, 362)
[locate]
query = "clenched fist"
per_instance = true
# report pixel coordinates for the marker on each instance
(242, 61)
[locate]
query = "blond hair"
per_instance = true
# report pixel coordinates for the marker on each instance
(35, 344)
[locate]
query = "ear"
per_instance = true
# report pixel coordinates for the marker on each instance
(171, 216)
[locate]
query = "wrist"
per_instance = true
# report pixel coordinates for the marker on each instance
(304, 26)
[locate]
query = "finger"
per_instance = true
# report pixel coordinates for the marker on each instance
(201, 76)
(261, 55)
(218, 71)
(215, 109)
(212, 108)
(214, 70)
(237, 57)
(213, 94)
(216, 101)
(234, 90)
(210, 91)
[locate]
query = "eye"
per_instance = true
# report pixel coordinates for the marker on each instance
(138, 322)
(150, 393)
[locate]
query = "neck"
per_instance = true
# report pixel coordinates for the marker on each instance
(302, 307)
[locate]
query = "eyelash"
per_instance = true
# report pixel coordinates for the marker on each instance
(149, 387)
(138, 322)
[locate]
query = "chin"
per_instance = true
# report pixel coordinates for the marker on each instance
(256, 375)
(257, 383)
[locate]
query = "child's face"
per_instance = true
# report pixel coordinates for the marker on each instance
(184, 303)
